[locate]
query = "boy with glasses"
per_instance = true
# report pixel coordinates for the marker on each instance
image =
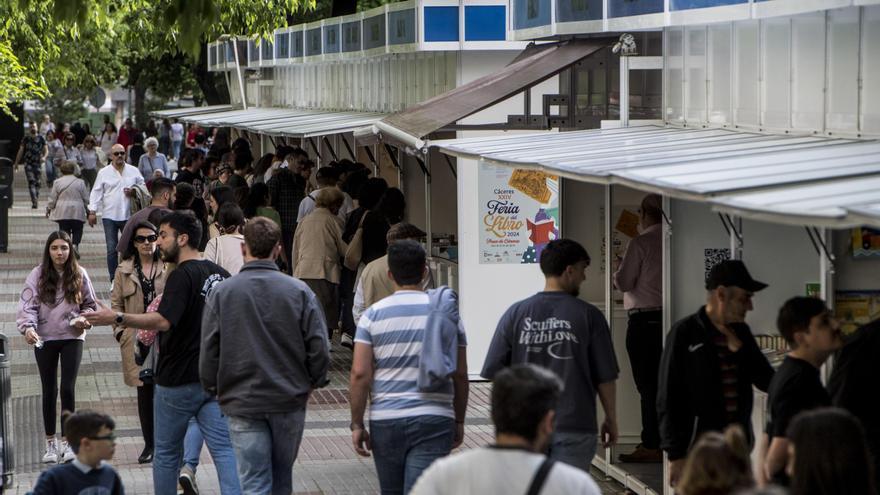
(91, 437)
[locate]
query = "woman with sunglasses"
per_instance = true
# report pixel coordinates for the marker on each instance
(55, 295)
(68, 153)
(107, 139)
(139, 279)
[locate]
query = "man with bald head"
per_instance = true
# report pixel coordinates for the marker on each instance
(110, 197)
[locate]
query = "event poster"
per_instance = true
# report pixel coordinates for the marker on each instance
(856, 308)
(519, 214)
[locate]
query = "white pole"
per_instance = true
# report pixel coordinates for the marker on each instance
(624, 90)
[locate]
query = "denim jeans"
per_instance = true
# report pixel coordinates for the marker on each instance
(112, 230)
(174, 406)
(403, 448)
(175, 149)
(574, 448)
(192, 444)
(265, 447)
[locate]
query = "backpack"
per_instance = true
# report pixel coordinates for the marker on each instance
(439, 355)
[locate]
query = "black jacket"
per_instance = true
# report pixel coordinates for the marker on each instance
(690, 399)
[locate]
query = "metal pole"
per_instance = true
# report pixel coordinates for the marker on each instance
(428, 228)
(624, 90)
(609, 296)
(667, 298)
(244, 104)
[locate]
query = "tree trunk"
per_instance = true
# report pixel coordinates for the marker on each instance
(216, 93)
(140, 105)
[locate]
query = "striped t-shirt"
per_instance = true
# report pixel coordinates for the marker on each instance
(394, 328)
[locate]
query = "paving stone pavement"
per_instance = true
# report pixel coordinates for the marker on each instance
(326, 464)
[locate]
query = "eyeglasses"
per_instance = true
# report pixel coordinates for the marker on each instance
(118, 153)
(110, 437)
(148, 238)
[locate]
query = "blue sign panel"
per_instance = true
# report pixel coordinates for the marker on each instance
(578, 10)
(313, 42)
(402, 27)
(332, 42)
(374, 32)
(282, 45)
(266, 50)
(441, 23)
(230, 52)
(699, 4)
(351, 36)
(623, 8)
(531, 13)
(253, 52)
(297, 48)
(485, 23)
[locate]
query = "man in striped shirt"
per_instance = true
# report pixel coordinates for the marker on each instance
(409, 429)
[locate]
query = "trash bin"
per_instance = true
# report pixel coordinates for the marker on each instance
(6, 443)
(6, 178)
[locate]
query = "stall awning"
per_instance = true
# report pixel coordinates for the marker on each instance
(288, 122)
(536, 64)
(186, 111)
(709, 165)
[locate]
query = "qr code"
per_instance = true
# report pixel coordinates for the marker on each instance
(712, 257)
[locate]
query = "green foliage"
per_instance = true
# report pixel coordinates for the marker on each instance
(15, 83)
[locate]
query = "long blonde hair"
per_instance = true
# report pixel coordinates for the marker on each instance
(718, 464)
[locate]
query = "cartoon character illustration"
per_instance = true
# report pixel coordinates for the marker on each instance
(541, 232)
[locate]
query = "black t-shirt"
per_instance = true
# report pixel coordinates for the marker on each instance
(565, 335)
(182, 304)
(795, 387)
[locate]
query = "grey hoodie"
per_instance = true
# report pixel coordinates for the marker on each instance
(264, 342)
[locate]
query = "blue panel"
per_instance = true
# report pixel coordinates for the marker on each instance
(531, 13)
(374, 32)
(351, 36)
(578, 10)
(441, 23)
(485, 23)
(230, 52)
(623, 8)
(699, 4)
(331, 39)
(282, 45)
(313, 42)
(266, 50)
(402, 27)
(296, 44)
(253, 52)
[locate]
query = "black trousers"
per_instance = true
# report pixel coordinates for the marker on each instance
(72, 227)
(346, 301)
(644, 344)
(69, 352)
(145, 412)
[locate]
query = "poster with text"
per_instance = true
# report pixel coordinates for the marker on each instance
(519, 214)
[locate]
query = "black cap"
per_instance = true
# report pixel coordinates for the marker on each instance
(732, 273)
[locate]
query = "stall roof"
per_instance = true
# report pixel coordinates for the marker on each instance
(534, 65)
(186, 111)
(289, 122)
(696, 164)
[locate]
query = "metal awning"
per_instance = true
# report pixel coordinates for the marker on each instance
(536, 64)
(186, 111)
(702, 165)
(288, 122)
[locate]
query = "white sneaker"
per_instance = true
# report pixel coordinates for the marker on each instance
(345, 340)
(66, 453)
(51, 454)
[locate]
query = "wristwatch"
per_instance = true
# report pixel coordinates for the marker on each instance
(119, 318)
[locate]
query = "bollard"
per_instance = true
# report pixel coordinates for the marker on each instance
(6, 443)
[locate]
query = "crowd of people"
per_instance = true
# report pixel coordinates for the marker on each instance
(231, 280)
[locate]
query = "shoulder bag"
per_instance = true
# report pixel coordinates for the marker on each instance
(355, 250)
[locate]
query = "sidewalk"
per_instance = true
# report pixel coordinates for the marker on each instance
(326, 464)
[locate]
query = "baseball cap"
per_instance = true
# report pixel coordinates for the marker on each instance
(403, 230)
(732, 273)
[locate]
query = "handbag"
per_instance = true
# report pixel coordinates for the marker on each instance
(355, 250)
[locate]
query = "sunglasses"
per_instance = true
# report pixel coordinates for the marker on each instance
(118, 153)
(148, 238)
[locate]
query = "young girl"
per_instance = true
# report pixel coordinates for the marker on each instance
(55, 294)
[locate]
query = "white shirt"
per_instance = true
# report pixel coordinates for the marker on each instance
(489, 471)
(177, 131)
(307, 205)
(108, 197)
(225, 250)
